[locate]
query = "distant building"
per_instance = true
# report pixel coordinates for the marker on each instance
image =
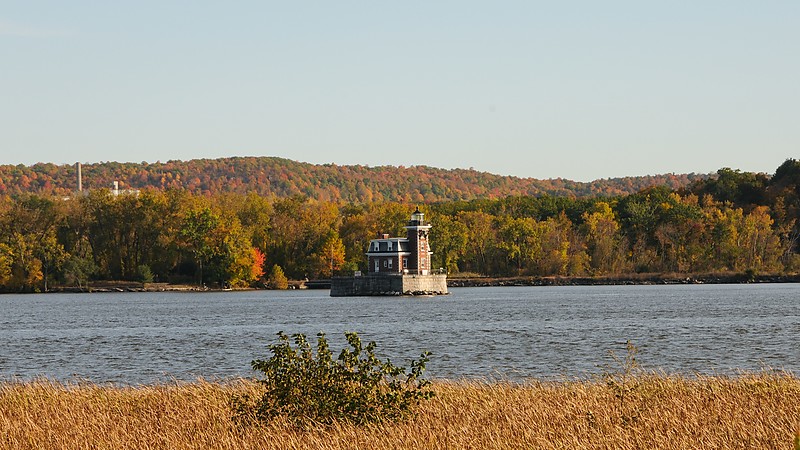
(116, 191)
(396, 266)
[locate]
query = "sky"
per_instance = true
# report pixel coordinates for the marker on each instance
(580, 90)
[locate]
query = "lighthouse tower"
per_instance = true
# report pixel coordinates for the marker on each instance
(417, 231)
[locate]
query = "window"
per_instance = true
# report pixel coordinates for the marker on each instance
(376, 245)
(385, 263)
(405, 263)
(390, 263)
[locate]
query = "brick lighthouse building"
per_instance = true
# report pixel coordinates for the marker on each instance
(417, 235)
(396, 266)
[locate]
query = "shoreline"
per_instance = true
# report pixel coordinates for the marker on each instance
(623, 280)
(459, 282)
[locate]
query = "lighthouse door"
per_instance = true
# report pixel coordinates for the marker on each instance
(377, 266)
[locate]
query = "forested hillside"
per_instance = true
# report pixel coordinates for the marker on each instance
(268, 176)
(734, 222)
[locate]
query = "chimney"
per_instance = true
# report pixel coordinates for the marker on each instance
(80, 180)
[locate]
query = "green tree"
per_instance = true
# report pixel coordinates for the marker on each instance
(78, 270)
(277, 280)
(742, 189)
(159, 216)
(196, 233)
(107, 229)
(51, 254)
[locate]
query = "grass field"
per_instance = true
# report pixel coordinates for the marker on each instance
(757, 411)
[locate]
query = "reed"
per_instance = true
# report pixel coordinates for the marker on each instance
(644, 411)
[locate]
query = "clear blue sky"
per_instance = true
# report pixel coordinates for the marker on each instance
(572, 89)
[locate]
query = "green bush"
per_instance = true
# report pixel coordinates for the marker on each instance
(277, 279)
(144, 274)
(309, 388)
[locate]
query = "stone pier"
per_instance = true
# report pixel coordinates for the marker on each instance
(389, 284)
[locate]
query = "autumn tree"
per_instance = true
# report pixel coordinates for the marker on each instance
(299, 229)
(448, 240)
(520, 241)
(257, 268)
(482, 241)
(233, 261)
(6, 260)
(680, 227)
(603, 240)
(28, 229)
(356, 231)
(761, 245)
(330, 258)
(563, 252)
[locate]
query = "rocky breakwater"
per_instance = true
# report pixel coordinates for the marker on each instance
(634, 279)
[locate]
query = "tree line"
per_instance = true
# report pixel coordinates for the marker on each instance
(732, 222)
(279, 177)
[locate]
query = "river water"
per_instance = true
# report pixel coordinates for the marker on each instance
(488, 333)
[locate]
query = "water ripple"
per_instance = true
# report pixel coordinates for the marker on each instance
(495, 333)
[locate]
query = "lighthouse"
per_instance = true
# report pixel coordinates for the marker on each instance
(396, 265)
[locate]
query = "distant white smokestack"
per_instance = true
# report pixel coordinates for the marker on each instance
(80, 180)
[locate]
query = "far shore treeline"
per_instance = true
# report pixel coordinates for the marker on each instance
(280, 177)
(730, 222)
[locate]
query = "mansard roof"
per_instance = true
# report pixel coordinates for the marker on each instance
(398, 245)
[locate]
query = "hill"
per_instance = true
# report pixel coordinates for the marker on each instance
(279, 177)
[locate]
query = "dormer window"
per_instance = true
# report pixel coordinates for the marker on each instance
(376, 246)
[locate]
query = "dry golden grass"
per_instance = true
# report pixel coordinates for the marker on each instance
(760, 411)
